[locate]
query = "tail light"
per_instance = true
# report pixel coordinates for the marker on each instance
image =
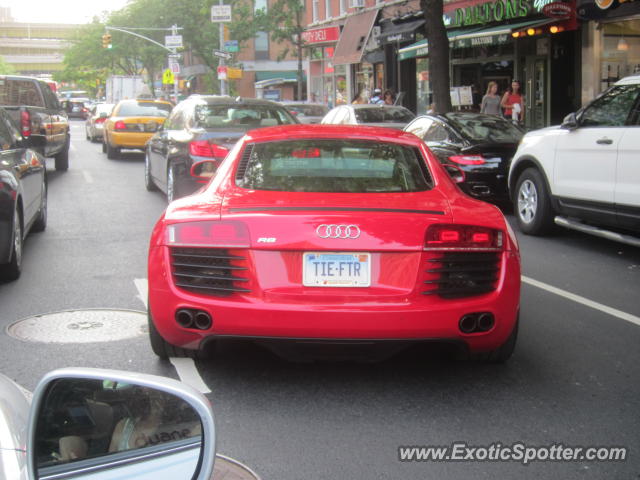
(208, 234)
(120, 125)
(468, 159)
(25, 123)
(100, 120)
(463, 238)
(202, 148)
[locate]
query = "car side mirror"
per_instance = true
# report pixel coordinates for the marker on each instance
(570, 122)
(96, 423)
(203, 171)
(455, 172)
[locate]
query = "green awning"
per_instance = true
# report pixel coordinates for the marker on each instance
(285, 75)
(465, 38)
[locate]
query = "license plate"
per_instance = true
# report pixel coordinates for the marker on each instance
(336, 269)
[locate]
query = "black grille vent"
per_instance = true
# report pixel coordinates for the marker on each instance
(206, 271)
(244, 162)
(463, 274)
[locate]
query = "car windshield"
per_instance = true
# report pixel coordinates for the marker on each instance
(484, 128)
(331, 165)
(144, 109)
(234, 116)
(104, 108)
(383, 115)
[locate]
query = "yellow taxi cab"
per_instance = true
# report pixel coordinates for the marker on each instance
(132, 123)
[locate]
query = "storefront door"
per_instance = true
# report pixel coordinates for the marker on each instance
(537, 103)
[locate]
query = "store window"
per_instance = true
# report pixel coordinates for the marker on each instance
(423, 86)
(620, 52)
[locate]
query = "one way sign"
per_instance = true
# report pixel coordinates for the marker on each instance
(221, 54)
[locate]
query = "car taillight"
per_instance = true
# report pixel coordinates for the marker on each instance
(25, 123)
(463, 237)
(120, 125)
(468, 159)
(202, 148)
(100, 120)
(228, 233)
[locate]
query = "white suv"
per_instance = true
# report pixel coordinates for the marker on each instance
(585, 173)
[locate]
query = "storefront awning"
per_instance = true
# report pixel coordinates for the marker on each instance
(495, 35)
(285, 75)
(354, 37)
(400, 32)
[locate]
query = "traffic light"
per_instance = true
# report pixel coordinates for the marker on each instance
(106, 40)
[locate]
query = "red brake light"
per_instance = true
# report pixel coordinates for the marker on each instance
(202, 148)
(229, 233)
(310, 153)
(25, 123)
(120, 125)
(463, 237)
(468, 159)
(100, 120)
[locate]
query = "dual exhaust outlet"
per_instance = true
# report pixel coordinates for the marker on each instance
(476, 322)
(190, 318)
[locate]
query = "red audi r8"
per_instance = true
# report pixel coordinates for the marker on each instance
(322, 233)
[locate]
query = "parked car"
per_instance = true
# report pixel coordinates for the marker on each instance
(132, 123)
(307, 112)
(98, 114)
(583, 174)
(70, 427)
(36, 109)
(331, 233)
(481, 145)
(23, 194)
(203, 127)
(373, 115)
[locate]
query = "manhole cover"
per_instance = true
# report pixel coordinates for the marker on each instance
(80, 326)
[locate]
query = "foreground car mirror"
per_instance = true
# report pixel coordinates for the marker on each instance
(455, 172)
(109, 424)
(570, 122)
(204, 170)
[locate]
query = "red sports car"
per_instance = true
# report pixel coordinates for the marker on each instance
(313, 233)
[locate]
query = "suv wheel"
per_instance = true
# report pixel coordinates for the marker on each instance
(62, 158)
(112, 152)
(532, 204)
(12, 270)
(148, 181)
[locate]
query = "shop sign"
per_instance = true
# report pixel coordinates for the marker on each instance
(400, 37)
(557, 10)
(488, 12)
(321, 35)
(483, 41)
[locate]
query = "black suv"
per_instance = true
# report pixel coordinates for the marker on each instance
(203, 127)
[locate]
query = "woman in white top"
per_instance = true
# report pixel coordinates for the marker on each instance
(491, 101)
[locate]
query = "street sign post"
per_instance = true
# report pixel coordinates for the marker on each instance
(220, 13)
(231, 46)
(221, 54)
(174, 67)
(168, 77)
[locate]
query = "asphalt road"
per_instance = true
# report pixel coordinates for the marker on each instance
(573, 379)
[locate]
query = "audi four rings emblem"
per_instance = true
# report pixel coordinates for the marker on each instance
(338, 231)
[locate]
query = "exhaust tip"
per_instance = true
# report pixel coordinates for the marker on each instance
(202, 320)
(184, 318)
(468, 324)
(485, 322)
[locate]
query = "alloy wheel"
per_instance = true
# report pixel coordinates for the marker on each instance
(527, 201)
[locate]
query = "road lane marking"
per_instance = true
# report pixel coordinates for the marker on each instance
(584, 301)
(87, 176)
(185, 367)
(142, 285)
(188, 373)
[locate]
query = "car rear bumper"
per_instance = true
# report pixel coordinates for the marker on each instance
(414, 317)
(129, 139)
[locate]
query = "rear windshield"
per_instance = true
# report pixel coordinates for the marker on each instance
(353, 166)
(485, 128)
(20, 92)
(383, 115)
(234, 116)
(144, 109)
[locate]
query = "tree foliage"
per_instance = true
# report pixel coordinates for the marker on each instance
(436, 34)
(5, 68)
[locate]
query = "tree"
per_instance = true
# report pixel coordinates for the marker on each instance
(285, 21)
(438, 54)
(5, 68)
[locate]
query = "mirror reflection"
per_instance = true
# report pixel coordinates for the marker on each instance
(83, 419)
(204, 169)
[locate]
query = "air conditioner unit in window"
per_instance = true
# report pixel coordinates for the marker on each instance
(357, 3)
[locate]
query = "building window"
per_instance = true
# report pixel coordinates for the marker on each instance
(620, 54)
(260, 5)
(327, 9)
(262, 45)
(315, 10)
(343, 7)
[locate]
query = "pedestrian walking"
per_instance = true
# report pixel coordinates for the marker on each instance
(491, 101)
(513, 102)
